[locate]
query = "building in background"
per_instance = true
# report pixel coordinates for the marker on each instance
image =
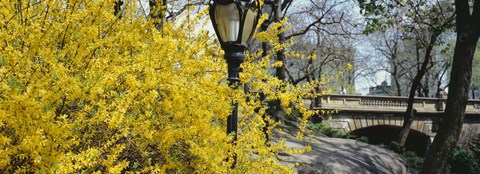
(382, 89)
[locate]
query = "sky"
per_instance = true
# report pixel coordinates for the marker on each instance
(362, 83)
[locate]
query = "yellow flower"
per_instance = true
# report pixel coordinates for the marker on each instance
(83, 90)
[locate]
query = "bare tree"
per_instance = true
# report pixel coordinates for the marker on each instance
(427, 28)
(423, 22)
(324, 29)
(390, 46)
(319, 13)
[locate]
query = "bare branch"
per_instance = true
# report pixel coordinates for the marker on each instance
(318, 21)
(173, 15)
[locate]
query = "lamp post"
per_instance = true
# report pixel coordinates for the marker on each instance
(234, 22)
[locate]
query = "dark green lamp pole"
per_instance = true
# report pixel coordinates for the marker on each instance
(234, 22)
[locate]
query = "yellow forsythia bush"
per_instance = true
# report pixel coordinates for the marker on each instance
(85, 91)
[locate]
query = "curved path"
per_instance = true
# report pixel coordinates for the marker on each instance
(341, 156)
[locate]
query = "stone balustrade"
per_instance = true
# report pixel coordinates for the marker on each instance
(358, 112)
(385, 103)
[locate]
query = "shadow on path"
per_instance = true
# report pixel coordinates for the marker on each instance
(341, 156)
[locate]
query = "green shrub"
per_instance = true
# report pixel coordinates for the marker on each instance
(334, 133)
(362, 139)
(462, 161)
(328, 131)
(474, 146)
(414, 162)
(394, 146)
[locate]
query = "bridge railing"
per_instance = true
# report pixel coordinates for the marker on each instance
(384, 103)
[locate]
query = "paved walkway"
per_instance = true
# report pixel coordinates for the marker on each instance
(341, 156)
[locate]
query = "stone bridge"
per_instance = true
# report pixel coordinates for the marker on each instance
(353, 113)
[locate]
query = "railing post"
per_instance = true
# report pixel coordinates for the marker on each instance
(440, 104)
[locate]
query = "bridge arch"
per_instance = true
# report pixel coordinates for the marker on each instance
(359, 122)
(353, 121)
(417, 141)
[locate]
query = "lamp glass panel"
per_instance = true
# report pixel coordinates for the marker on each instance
(249, 25)
(228, 21)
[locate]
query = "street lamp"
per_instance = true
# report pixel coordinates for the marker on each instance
(234, 22)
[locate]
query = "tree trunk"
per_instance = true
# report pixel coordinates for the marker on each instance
(473, 92)
(263, 97)
(410, 113)
(451, 125)
(426, 86)
(280, 71)
(417, 50)
(117, 8)
(158, 12)
(468, 31)
(396, 80)
(399, 90)
(279, 113)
